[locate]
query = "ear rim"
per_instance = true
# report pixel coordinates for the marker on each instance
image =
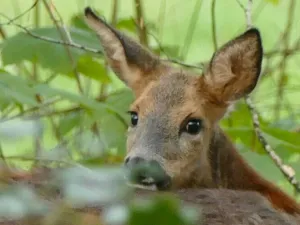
(252, 32)
(137, 64)
(121, 37)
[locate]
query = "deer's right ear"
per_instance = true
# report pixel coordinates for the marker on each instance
(130, 61)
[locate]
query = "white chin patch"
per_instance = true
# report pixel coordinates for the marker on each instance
(151, 187)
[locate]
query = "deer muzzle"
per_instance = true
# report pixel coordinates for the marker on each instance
(147, 173)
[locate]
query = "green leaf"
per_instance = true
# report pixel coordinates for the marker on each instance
(23, 47)
(121, 101)
(68, 122)
(282, 138)
(88, 66)
(246, 137)
(16, 89)
(161, 210)
(84, 101)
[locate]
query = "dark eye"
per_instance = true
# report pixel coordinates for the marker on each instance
(193, 126)
(134, 118)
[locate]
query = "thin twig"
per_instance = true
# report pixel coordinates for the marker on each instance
(213, 24)
(54, 41)
(201, 66)
(65, 37)
(191, 29)
(141, 22)
(269, 54)
(286, 170)
(161, 19)
(282, 74)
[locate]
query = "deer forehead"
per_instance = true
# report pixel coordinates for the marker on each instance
(173, 96)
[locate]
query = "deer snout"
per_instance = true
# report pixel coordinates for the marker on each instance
(147, 173)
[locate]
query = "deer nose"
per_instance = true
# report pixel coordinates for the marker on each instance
(147, 173)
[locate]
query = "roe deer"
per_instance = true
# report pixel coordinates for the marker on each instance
(174, 118)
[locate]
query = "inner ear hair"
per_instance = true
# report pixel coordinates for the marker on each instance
(235, 68)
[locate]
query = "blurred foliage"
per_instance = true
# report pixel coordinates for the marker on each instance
(47, 119)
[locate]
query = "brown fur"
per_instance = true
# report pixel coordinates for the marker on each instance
(167, 97)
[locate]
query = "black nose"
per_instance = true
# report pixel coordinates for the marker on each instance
(147, 173)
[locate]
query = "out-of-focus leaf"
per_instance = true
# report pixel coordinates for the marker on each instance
(113, 132)
(264, 165)
(160, 210)
(88, 66)
(24, 92)
(116, 214)
(68, 122)
(17, 89)
(14, 129)
(246, 136)
(23, 47)
(288, 140)
(112, 126)
(274, 2)
(84, 101)
(285, 124)
(100, 186)
(120, 100)
(239, 117)
(126, 24)
(89, 145)
(58, 153)
(20, 201)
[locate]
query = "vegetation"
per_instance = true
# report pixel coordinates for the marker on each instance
(61, 106)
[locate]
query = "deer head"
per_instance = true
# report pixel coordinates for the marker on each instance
(176, 112)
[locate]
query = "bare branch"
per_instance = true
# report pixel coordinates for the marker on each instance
(141, 22)
(71, 44)
(22, 14)
(286, 170)
(54, 41)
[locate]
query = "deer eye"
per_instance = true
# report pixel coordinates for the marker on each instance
(134, 118)
(193, 126)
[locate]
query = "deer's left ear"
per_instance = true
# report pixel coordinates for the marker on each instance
(235, 69)
(130, 61)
